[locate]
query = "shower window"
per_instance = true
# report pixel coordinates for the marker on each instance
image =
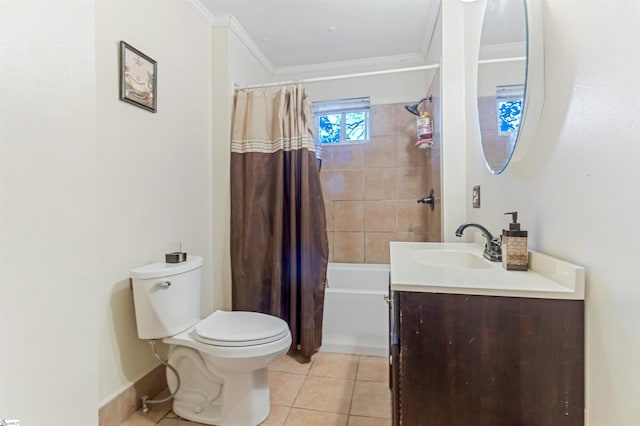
(342, 121)
(509, 107)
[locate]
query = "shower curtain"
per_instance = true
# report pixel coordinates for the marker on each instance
(279, 247)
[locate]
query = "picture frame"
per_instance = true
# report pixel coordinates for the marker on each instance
(138, 78)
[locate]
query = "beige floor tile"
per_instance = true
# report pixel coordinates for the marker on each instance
(284, 387)
(368, 421)
(371, 399)
(373, 369)
(139, 419)
(325, 394)
(339, 366)
(155, 413)
(277, 416)
(174, 420)
(289, 364)
(299, 417)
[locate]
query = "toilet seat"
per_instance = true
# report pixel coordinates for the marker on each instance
(239, 328)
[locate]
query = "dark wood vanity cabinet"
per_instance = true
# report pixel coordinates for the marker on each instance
(486, 360)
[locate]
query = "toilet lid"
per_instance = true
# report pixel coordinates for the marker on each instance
(239, 328)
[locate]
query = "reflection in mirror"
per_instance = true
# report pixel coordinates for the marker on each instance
(501, 80)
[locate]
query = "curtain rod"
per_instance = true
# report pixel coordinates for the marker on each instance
(501, 60)
(340, 77)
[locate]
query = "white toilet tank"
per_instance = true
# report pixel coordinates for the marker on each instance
(166, 297)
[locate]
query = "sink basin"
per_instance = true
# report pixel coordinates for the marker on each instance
(450, 259)
(459, 268)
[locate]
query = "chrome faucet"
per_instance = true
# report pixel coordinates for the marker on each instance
(492, 250)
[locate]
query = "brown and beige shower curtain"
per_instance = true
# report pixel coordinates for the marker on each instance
(279, 248)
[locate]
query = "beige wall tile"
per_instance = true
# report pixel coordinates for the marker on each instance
(377, 246)
(410, 236)
(487, 113)
(328, 212)
(496, 148)
(125, 405)
(327, 157)
(405, 121)
(380, 216)
(382, 120)
(348, 156)
(326, 180)
(412, 216)
(411, 183)
(348, 216)
(348, 247)
(331, 250)
(380, 184)
(408, 154)
(389, 168)
(347, 184)
(381, 152)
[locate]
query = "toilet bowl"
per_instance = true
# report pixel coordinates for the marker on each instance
(225, 358)
(222, 360)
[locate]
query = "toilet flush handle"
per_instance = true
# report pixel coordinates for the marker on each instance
(164, 284)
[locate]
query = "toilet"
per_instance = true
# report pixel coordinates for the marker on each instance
(222, 359)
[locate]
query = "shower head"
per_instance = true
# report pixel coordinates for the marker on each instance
(413, 109)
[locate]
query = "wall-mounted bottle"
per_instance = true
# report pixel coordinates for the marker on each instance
(424, 127)
(515, 252)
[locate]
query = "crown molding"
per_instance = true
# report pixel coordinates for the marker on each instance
(368, 63)
(433, 17)
(235, 26)
(201, 10)
(248, 42)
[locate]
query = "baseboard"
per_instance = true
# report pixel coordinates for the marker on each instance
(354, 349)
(115, 412)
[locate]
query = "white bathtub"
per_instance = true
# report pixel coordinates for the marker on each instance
(356, 315)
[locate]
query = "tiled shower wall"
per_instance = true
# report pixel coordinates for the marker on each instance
(371, 190)
(496, 148)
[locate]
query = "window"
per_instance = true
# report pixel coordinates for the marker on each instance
(509, 107)
(342, 121)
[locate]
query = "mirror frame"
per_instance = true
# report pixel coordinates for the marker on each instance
(534, 85)
(533, 99)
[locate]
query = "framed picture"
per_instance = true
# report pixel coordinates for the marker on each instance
(138, 78)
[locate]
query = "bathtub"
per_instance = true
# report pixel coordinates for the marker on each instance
(356, 314)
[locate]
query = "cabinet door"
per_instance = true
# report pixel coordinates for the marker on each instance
(482, 360)
(394, 355)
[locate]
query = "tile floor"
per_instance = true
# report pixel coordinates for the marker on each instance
(331, 390)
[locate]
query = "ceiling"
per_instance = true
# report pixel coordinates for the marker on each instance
(302, 35)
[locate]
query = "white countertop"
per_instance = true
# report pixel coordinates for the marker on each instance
(547, 277)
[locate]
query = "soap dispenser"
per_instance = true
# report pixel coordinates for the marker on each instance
(515, 253)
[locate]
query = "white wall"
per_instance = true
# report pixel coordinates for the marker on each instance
(454, 122)
(48, 342)
(154, 172)
(578, 188)
(406, 87)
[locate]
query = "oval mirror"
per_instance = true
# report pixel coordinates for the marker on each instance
(502, 80)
